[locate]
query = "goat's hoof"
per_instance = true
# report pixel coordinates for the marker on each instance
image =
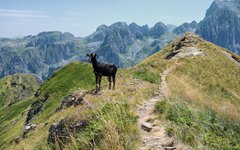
(95, 92)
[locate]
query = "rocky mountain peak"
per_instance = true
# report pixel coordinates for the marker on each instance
(158, 29)
(159, 24)
(101, 28)
(134, 27)
(186, 27)
(189, 40)
(186, 46)
(46, 38)
(139, 31)
(145, 29)
(99, 35)
(193, 24)
(56, 34)
(119, 25)
(222, 24)
(233, 5)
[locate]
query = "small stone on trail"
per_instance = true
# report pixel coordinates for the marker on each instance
(146, 126)
(170, 148)
(17, 140)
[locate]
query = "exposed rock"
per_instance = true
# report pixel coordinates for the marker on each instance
(170, 148)
(17, 140)
(36, 107)
(58, 131)
(146, 126)
(189, 52)
(73, 100)
(169, 144)
(172, 54)
(28, 128)
(61, 132)
(37, 94)
(186, 47)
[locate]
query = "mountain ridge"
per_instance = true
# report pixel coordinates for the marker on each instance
(114, 113)
(43, 53)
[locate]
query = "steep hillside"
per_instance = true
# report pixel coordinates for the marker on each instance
(185, 96)
(17, 87)
(15, 98)
(221, 24)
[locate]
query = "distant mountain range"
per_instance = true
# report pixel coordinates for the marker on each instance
(40, 55)
(120, 43)
(221, 24)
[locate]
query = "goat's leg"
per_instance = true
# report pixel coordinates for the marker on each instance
(100, 78)
(96, 82)
(109, 81)
(113, 77)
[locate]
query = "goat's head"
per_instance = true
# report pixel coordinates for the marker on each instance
(92, 57)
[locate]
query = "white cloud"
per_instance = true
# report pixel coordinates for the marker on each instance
(22, 13)
(166, 17)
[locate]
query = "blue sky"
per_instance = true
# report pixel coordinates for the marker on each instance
(81, 17)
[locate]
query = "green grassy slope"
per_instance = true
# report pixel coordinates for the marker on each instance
(116, 117)
(75, 76)
(16, 87)
(15, 97)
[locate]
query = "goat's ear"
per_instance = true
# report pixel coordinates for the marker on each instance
(88, 55)
(94, 54)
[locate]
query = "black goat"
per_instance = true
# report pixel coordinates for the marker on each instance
(102, 69)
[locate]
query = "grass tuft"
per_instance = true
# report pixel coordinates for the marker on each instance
(147, 76)
(160, 107)
(201, 127)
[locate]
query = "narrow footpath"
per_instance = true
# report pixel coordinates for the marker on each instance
(153, 132)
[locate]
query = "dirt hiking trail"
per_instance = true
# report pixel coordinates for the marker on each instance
(153, 132)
